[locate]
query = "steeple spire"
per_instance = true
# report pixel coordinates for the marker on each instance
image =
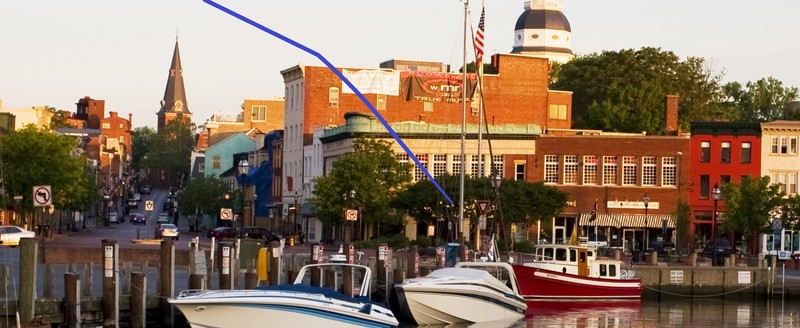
(174, 101)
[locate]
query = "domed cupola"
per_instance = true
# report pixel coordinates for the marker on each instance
(543, 31)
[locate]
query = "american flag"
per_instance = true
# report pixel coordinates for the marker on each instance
(479, 39)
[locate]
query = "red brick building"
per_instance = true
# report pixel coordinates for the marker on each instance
(721, 152)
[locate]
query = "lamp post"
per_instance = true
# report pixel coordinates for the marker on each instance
(646, 201)
(296, 210)
(715, 195)
(243, 166)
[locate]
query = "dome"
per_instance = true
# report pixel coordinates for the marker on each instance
(543, 19)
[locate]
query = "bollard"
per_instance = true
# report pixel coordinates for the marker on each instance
(250, 280)
(275, 263)
(412, 268)
(138, 299)
(225, 267)
(167, 278)
(72, 299)
(196, 281)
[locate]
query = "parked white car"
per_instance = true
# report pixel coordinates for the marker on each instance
(10, 235)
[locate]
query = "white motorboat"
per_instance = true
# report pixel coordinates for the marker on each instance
(471, 292)
(291, 305)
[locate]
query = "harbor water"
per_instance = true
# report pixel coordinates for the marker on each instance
(706, 312)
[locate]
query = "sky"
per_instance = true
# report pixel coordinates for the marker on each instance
(54, 52)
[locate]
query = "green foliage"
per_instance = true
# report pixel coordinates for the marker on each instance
(373, 172)
(32, 157)
(750, 205)
(524, 246)
(487, 68)
(171, 149)
(790, 212)
(204, 194)
(625, 90)
(422, 241)
(143, 140)
(527, 202)
(759, 101)
(682, 214)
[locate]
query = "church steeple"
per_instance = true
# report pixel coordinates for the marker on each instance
(174, 101)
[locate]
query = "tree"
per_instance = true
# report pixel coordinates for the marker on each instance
(760, 101)
(171, 150)
(528, 202)
(36, 157)
(790, 212)
(374, 173)
(750, 207)
(203, 195)
(683, 218)
(143, 140)
(625, 90)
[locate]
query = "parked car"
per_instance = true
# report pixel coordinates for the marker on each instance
(163, 217)
(137, 197)
(113, 217)
(138, 218)
(222, 232)
(260, 233)
(167, 230)
(723, 248)
(10, 235)
(144, 190)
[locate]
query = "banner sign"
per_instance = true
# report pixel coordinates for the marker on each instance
(373, 81)
(435, 86)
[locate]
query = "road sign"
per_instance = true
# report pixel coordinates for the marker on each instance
(483, 205)
(351, 215)
(225, 214)
(42, 196)
(148, 205)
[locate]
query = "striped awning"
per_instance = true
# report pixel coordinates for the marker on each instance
(627, 220)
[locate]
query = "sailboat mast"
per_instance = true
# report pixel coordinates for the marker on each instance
(463, 128)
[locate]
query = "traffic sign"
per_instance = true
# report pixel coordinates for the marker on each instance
(351, 215)
(483, 205)
(225, 214)
(42, 196)
(148, 205)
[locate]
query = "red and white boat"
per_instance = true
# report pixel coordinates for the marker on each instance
(574, 272)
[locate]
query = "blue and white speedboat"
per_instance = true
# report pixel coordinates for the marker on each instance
(291, 305)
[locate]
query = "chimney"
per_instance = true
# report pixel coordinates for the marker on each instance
(672, 116)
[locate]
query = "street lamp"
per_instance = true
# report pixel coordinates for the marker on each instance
(715, 195)
(243, 166)
(296, 210)
(646, 201)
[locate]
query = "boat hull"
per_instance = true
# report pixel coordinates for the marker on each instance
(434, 306)
(227, 309)
(535, 283)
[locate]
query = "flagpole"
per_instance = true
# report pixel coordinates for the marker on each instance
(479, 71)
(463, 129)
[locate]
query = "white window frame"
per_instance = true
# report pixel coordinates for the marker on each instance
(551, 169)
(439, 165)
(649, 171)
(570, 169)
(590, 170)
(629, 171)
(259, 113)
(610, 170)
(333, 97)
(669, 172)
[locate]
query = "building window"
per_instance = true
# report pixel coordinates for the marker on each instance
(725, 153)
(746, 153)
(704, 186)
(648, 171)
(792, 183)
(705, 152)
(629, 171)
(215, 161)
(784, 146)
(333, 97)
(106, 126)
(497, 165)
(402, 159)
(590, 170)
(558, 112)
(380, 102)
(723, 179)
(570, 169)
(423, 161)
(519, 171)
(439, 164)
(427, 106)
(457, 164)
(474, 166)
(792, 145)
(782, 182)
(551, 169)
(774, 146)
(610, 170)
(669, 172)
(259, 113)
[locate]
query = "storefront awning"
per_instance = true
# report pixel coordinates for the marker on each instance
(627, 220)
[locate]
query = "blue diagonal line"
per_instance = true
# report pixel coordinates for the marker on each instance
(343, 78)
